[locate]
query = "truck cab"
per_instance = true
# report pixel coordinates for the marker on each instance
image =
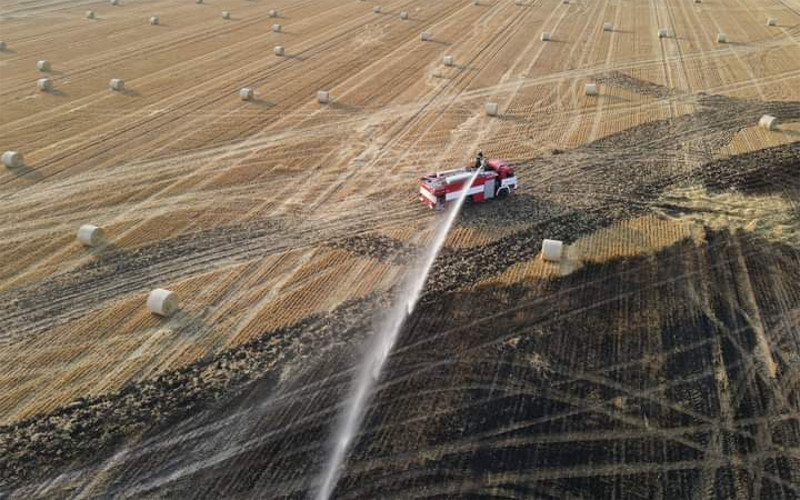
(505, 175)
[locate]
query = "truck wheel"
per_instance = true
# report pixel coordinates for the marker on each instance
(502, 193)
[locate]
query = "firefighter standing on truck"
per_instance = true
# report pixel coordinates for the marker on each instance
(479, 161)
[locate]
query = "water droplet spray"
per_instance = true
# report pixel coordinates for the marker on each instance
(374, 358)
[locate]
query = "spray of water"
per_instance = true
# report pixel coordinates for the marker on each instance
(374, 358)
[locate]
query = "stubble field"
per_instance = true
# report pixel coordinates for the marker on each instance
(657, 360)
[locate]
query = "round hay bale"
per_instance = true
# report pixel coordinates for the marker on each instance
(90, 235)
(276, 28)
(552, 250)
(44, 84)
(491, 108)
(279, 50)
(323, 97)
(591, 89)
(116, 84)
(246, 94)
(545, 36)
(12, 159)
(768, 122)
(43, 65)
(89, 14)
(226, 14)
(162, 302)
(155, 21)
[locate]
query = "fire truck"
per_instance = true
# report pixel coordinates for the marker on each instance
(496, 180)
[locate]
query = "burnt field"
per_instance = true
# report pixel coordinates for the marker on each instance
(670, 373)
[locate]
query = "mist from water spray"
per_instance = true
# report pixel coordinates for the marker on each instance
(375, 357)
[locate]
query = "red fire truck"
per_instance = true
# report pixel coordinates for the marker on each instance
(497, 180)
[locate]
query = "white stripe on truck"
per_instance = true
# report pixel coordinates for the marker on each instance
(455, 194)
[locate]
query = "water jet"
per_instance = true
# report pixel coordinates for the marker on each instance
(382, 342)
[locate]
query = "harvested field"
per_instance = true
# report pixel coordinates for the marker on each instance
(657, 359)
